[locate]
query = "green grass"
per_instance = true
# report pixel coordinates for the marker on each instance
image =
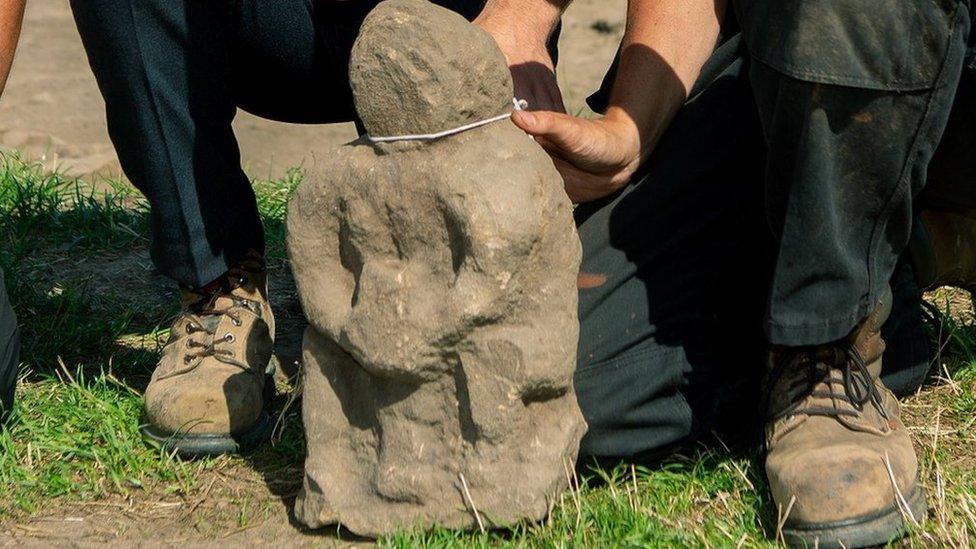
(43, 213)
(272, 198)
(75, 437)
(88, 351)
(705, 498)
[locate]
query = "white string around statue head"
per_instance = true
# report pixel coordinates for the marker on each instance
(517, 104)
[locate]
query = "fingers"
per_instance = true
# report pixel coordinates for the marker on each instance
(554, 130)
(587, 154)
(574, 140)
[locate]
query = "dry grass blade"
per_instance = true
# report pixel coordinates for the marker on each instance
(906, 511)
(633, 480)
(474, 509)
(735, 465)
(574, 492)
(968, 506)
(296, 392)
(64, 368)
(783, 516)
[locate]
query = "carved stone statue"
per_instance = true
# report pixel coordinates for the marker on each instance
(439, 280)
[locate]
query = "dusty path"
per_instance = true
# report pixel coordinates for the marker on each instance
(52, 108)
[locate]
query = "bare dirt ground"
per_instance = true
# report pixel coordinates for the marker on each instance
(52, 111)
(52, 108)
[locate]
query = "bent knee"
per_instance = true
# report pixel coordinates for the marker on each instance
(895, 45)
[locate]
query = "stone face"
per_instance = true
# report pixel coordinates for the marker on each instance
(439, 280)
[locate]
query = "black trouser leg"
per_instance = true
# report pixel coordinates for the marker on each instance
(173, 73)
(852, 105)
(163, 68)
(673, 279)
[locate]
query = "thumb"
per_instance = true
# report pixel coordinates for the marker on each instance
(560, 130)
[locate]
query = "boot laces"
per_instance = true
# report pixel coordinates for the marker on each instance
(203, 316)
(813, 377)
(204, 320)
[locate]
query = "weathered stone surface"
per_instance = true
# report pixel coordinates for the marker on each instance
(417, 69)
(439, 282)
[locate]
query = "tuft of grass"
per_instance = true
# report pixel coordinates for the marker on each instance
(46, 213)
(52, 209)
(74, 437)
(272, 198)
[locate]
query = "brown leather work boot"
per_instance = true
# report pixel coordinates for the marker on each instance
(840, 463)
(208, 392)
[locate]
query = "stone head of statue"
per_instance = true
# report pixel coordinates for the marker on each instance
(418, 68)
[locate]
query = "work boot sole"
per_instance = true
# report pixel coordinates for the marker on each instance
(876, 529)
(200, 445)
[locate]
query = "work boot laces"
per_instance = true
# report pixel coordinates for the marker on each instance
(204, 315)
(812, 379)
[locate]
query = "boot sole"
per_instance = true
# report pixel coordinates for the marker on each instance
(202, 445)
(876, 529)
(191, 446)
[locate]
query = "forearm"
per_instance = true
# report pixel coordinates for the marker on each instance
(522, 21)
(522, 29)
(664, 47)
(11, 17)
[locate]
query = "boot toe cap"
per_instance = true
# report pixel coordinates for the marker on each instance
(185, 406)
(836, 483)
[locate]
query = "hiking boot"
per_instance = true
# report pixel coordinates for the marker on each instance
(208, 393)
(840, 463)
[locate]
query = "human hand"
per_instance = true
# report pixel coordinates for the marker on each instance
(595, 157)
(524, 45)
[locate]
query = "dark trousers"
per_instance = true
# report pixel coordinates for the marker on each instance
(173, 74)
(853, 98)
(674, 277)
(677, 267)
